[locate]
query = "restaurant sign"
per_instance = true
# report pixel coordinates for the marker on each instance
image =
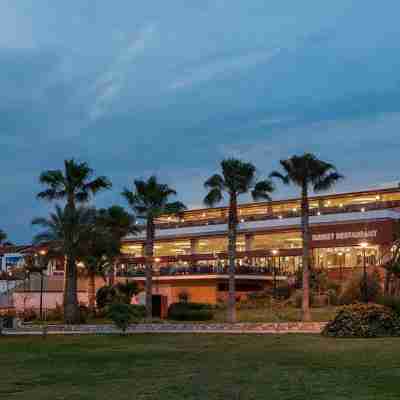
(345, 235)
(374, 232)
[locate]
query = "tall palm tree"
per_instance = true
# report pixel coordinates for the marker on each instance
(307, 172)
(76, 185)
(3, 237)
(102, 246)
(237, 178)
(64, 231)
(149, 200)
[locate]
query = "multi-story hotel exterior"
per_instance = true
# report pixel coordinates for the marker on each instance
(191, 250)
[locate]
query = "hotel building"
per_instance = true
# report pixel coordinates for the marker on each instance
(191, 250)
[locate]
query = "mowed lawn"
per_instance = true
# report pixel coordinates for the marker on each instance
(202, 366)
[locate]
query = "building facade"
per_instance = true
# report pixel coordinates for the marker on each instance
(349, 230)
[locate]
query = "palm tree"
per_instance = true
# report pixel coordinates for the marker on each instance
(149, 201)
(307, 172)
(102, 247)
(75, 185)
(64, 232)
(3, 237)
(237, 178)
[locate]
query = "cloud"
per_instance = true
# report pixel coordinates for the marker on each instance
(222, 67)
(110, 83)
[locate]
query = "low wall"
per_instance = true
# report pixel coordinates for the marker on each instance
(26, 300)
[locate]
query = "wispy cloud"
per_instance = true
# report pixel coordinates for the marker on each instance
(222, 67)
(110, 83)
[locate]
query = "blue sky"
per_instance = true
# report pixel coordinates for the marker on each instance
(172, 87)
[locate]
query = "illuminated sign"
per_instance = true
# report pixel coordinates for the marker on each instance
(345, 235)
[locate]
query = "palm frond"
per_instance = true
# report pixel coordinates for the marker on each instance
(213, 197)
(262, 190)
(215, 181)
(327, 182)
(283, 178)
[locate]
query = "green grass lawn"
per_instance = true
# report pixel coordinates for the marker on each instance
(211, 367)
(266, 314)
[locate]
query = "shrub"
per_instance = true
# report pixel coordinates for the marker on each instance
(83, 314)
(190, 312)
(124, 314)
(125, 292)
(106, 295)
(392, 302)
(364, 320)
(352, 290)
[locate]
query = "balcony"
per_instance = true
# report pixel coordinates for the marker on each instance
(183, 271)
(382, 205)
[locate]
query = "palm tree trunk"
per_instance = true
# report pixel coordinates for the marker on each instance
(149, 250)
(70, 291)
(92, 291)
(305, 231)
(232, 235)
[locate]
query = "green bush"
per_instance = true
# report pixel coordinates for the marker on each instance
(392, 302)
(123, 315)
(353, 290)
(190, 312)
(364, 320)
(125, 291)
(106, 295)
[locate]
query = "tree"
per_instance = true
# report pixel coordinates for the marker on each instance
(3, 237)
(237, 178)
(101, 248)
(76, 185)
(149, 200)
(307, 172)
(64, 231)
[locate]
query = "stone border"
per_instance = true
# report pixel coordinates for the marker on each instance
(238, 328)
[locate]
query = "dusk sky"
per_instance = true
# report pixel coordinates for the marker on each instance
(172, 87)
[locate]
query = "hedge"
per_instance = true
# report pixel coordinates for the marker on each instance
(364, 320)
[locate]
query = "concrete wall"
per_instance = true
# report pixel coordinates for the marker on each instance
(50, 299)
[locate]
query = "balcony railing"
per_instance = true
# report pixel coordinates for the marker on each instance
(288, 214)
(205, 270)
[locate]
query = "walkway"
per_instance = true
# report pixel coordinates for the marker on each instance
(239, 328)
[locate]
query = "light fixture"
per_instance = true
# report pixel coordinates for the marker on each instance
(157, 259)
(363, 209)
(280, 216)
(319, 213)
(242, 220)
(364, 245)
(274, 252)
(42, 252)
(341, 205)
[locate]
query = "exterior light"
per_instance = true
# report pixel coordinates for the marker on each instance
(341, 205)
(363, 245)
(42, 252)
(363, 209)
(242, 220)
(340, 253)
(295, 209)
(275, 252)
(157, 259)
(280, 216)
(319, 213)
(377, 197)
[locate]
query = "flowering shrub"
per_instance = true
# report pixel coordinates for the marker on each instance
(364, 320)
